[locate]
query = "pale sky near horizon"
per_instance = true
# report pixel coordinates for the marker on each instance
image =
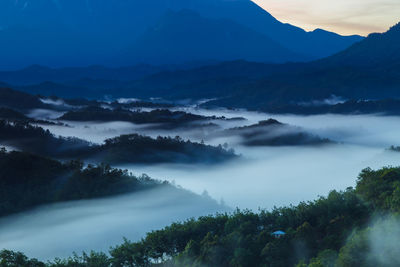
(342, 16)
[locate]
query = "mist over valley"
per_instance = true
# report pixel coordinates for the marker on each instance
(177, 133)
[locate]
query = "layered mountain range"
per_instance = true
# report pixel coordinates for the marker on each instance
(61, 33)
(368, 70)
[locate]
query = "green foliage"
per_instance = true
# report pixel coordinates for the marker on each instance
(257, 135)
(27, 180)
(17, 259)
(325, 258)
(129, 254)
(93, 259)
(355, 251)
(381, 188)
(332, 231)
(244, 238)
(136, 148)
(124, 149)
(26, 137)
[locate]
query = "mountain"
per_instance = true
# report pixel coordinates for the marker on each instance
(378, 49)
(39, 74)
(185, 36)
(369, 69)
(18, 100)
(63, 33)
(274, 133)
(206, 82)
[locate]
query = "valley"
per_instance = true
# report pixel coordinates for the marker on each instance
(202, 133)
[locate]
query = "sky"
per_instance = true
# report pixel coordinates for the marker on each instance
(342, 16)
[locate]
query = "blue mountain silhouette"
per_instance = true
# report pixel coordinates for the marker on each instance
(76, 32)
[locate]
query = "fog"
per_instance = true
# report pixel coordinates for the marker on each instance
(383, 241)
(366, 130)
(275, 176)
(45, 114)
(263, 177)
(268, 176)
(95, 132)
(57, 102)
(59, 230)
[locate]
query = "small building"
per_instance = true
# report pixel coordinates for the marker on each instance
(278, 234)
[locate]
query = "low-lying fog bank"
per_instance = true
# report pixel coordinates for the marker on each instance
(268, 176)
(359, 129)
(368, 130)
(277, 176)
(264, 177)
(58, 230)
(95, 132)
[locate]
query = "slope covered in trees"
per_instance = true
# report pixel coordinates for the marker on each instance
(274, 133)
(34, 139)
(124, 149)
(19, 100)
(155, 116)
(10, 114)
(136, 148)
(330, 231)
(27, 180)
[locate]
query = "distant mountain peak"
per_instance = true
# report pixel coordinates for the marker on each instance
(395, 29)
(60, 33)
(185, 36)
(377, 48)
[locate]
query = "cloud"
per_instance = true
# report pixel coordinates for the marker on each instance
(58, 230)
(342, 16)
(384, 242)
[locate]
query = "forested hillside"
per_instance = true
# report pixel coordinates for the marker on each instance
(337, 230)
(27, 180)
(133, 148)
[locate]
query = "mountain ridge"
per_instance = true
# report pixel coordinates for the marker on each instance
(272, 85)
(81, 33)
(187, 36)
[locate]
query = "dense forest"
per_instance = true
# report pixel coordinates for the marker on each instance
(26, 137)
(136, 148)
(10, 114)
(336, 230)
(124, 149)
(27, 180)
(120, 113)
(155, 116)
(274, 133)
